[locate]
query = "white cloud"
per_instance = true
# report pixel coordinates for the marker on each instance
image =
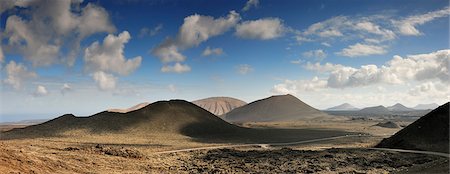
(326, 44)
(104, 80)
(250, 4)
(408, 25)
(66, 24)
(109, 57)
(176, 68)
(215, 51)
(263, 29)
(420, 67)
(40, 91)
(150, 32)
(195, 30)
(17, 74)
(366, 28)
(296, 86)
(375, 29)
(319, 54)
(298, 61)
(244, 69)
(65, 88)
(431, 89)
(362, 50)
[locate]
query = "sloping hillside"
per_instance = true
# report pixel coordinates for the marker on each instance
(274, 108)
(430, 132)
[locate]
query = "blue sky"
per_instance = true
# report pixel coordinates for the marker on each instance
(83, 57)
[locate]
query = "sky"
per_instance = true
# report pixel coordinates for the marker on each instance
(83, 57)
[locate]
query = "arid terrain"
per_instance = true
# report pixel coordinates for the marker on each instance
(68, 144)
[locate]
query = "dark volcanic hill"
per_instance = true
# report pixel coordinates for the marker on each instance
(343, 107)
(219, 105)
(174, 116)
(430, 132)
(275, 108)
(378, 110)
(399, 108)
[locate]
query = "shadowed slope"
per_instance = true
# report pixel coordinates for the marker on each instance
(169, 118)
(173, 116)
(219, 105)
(430, 132)
(275, 108)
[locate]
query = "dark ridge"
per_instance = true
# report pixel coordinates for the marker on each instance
(430, 133)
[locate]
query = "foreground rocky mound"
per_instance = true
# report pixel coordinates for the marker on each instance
(175, 116)
(219, 105)
(274, 108)
(430, 133)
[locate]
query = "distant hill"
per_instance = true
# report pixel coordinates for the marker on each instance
(430, 133)
(388, 124)
(426, 106)
(219, 105)
(135, 107)
(399, 108)
(274, 108)
(378, 110)
(343, 107)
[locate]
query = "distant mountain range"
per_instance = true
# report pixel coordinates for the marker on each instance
(343, 107)
(394, 108)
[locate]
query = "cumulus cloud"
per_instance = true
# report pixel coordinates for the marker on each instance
(195, 30)
(430, 89)
(176, 68)
(150, 32)
(65, 88)
(420, 67)
(17, 74)
(263, 29)
(362, 50)
(408, 25)
(104, 80)
(214, 51)
(345, 26)
(108, 57)
(66, 24)
(319, 54)
(40, 91)
(295, 86)
(250, 4)
(244, 69)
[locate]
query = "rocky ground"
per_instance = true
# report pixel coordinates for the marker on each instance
(286, 160)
